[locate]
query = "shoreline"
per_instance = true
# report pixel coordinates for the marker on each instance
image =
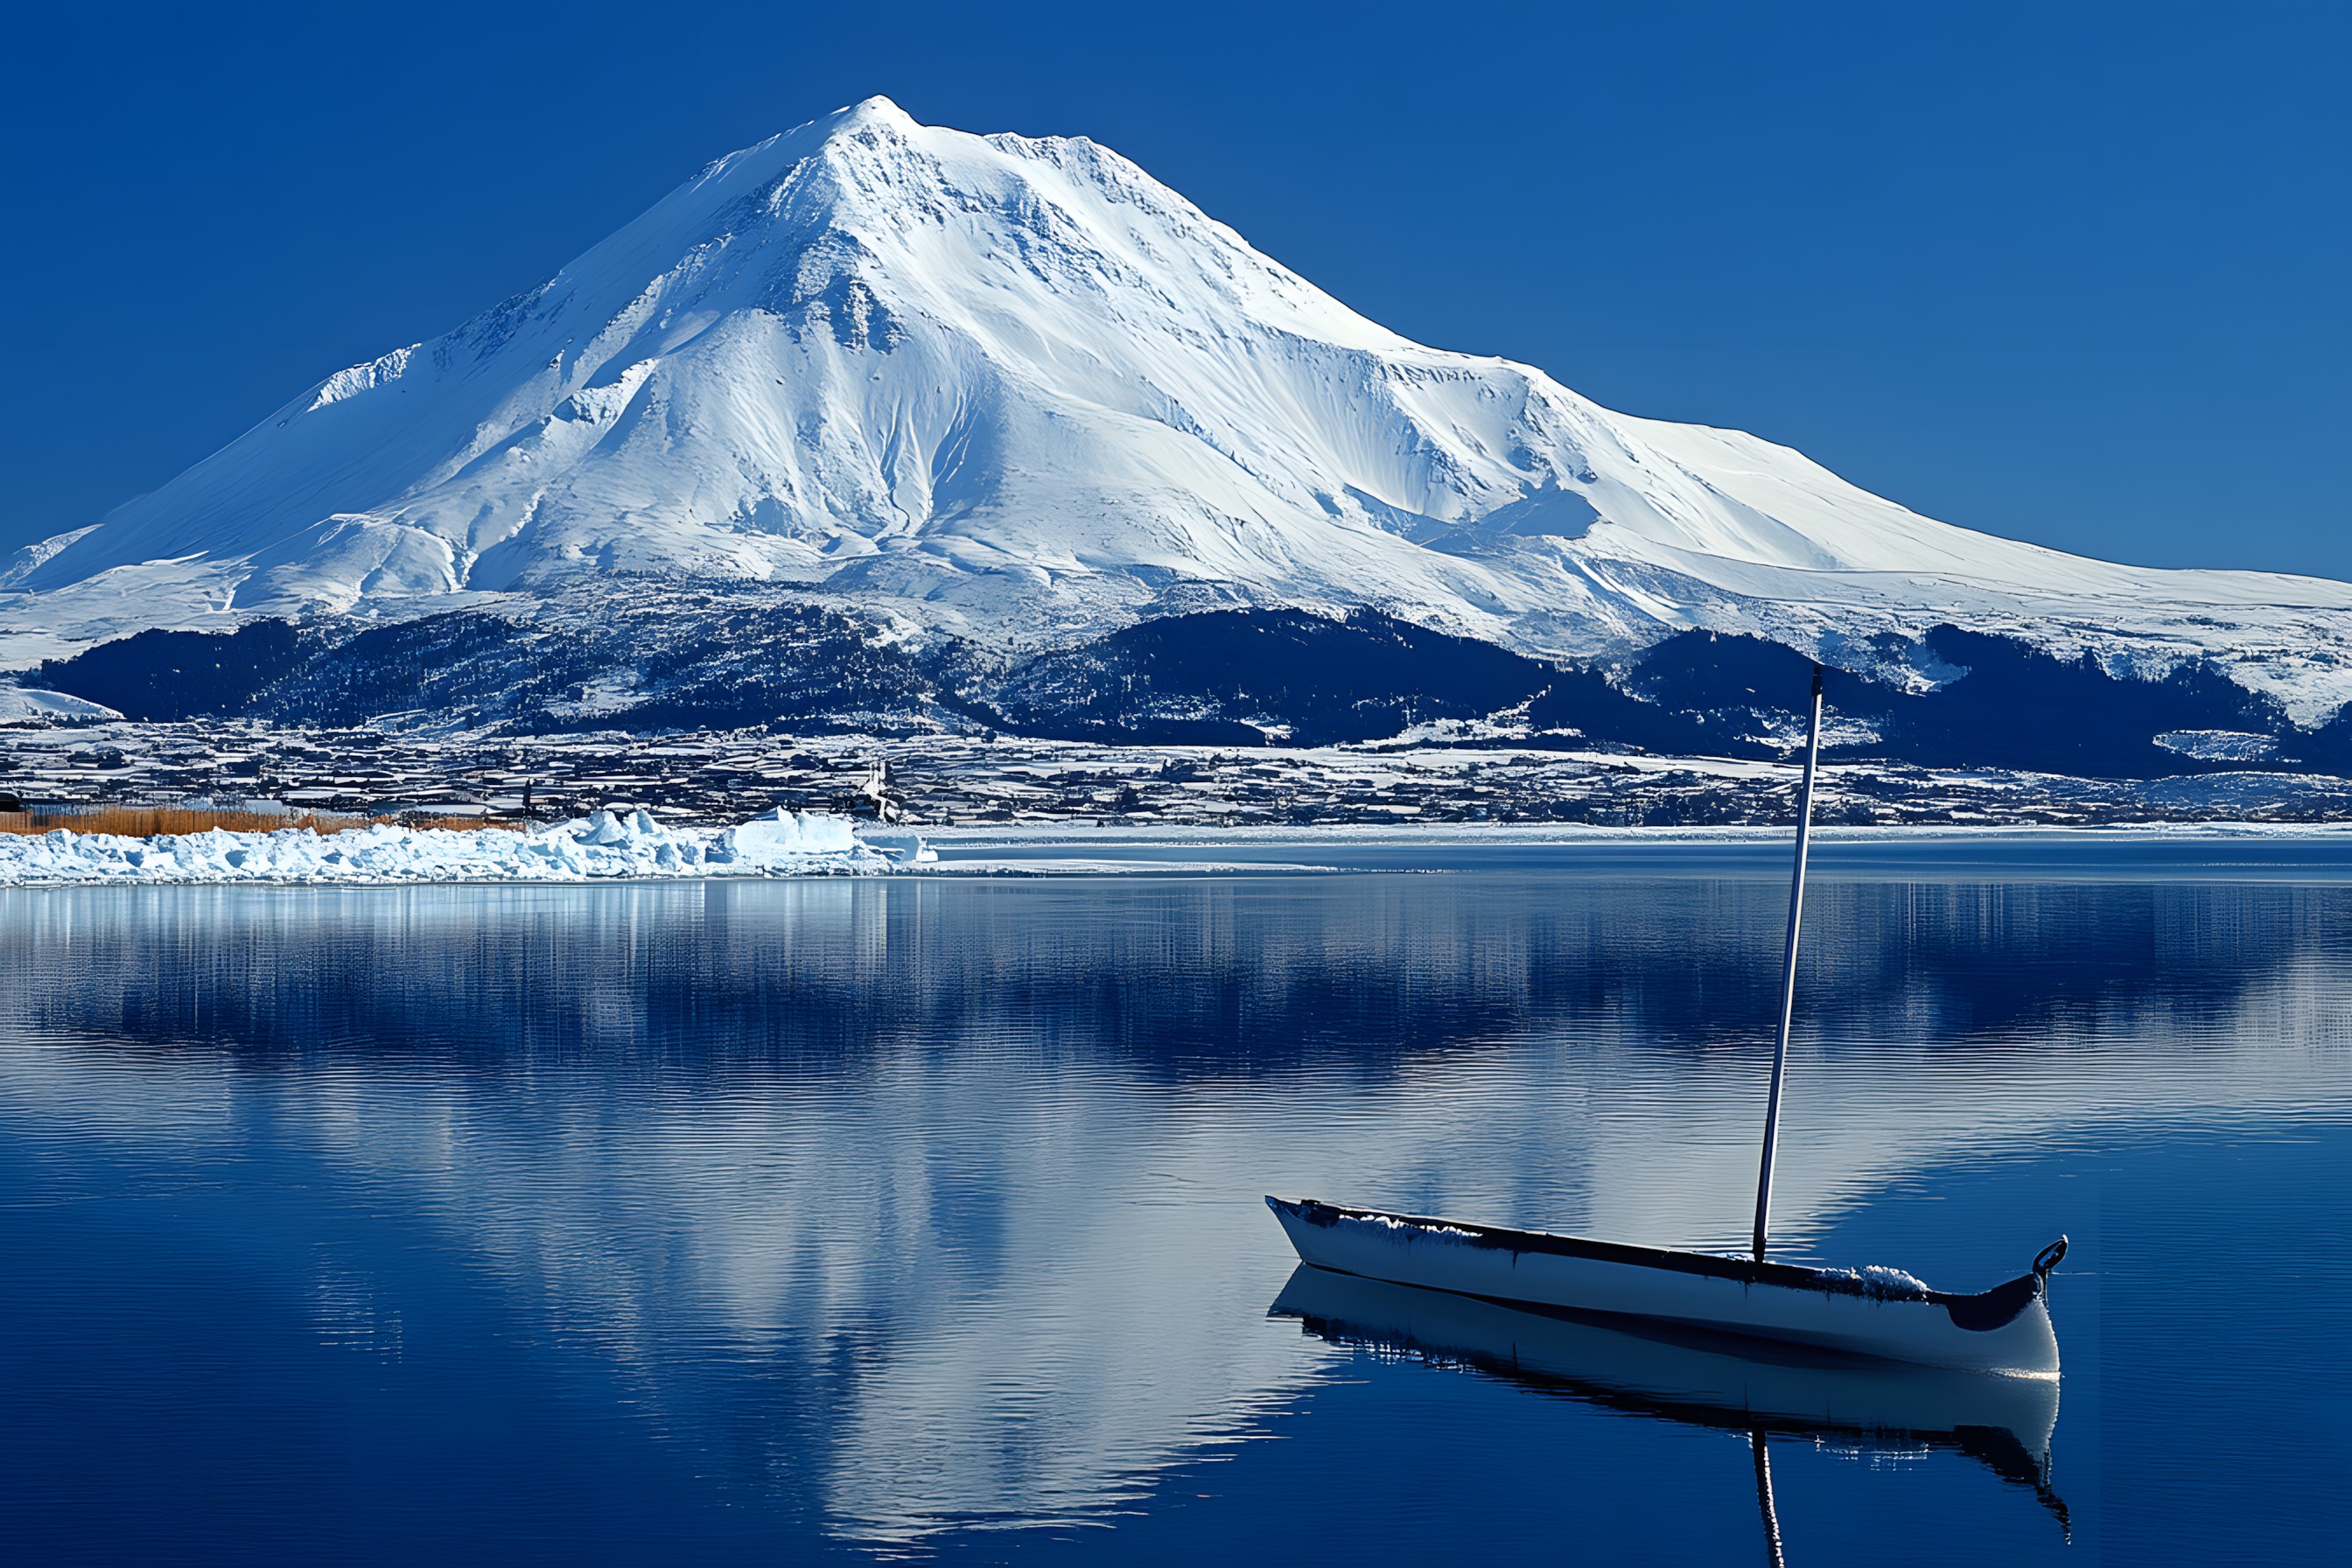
(2243, 852)
(1569, 832)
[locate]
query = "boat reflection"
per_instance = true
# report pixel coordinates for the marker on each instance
(1719, 1381)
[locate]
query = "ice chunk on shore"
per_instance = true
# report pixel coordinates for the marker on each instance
(897, 846)
(604, 845)
(784, 835)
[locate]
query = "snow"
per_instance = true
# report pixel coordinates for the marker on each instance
(19, 563)
(604, 846)
(1013, 386)
(30, 705)
(2218, 745)
(1880, 1281)
(1391, 1225)
(1889, 1279)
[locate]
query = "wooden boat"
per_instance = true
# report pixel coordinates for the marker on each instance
(2005, 1329)
(1874, 1313)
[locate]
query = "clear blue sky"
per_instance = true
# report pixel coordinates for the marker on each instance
(2073, 273)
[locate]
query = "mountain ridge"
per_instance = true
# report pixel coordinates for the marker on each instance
(1014, 390)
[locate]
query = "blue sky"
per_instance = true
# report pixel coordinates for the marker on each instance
(2073, 273)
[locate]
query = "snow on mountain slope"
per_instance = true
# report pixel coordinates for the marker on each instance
(1016, 388)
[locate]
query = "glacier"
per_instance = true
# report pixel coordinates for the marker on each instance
(1014, 390)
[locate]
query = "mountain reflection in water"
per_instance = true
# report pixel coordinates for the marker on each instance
(892, 1215)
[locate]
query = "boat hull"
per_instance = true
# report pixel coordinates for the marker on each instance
(2006, 1330)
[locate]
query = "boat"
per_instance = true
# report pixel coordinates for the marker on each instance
(1881, 1313)
(1876, 1313)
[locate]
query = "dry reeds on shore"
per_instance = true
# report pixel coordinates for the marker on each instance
(148, 821)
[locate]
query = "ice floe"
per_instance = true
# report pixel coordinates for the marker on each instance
(604, 845)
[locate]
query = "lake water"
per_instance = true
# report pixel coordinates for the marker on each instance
(921, 1217)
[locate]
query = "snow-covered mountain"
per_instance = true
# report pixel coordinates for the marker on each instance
(1017, 391)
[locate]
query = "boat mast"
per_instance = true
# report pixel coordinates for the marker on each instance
(1788, 970)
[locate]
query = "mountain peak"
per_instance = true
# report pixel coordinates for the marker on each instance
(878, 105)
(876, 111)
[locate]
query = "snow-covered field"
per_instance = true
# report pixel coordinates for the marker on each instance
(603, 846)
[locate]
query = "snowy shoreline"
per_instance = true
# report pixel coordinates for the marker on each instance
(603, 847)
(1569, 832)
(631, 845)
(2202, 852)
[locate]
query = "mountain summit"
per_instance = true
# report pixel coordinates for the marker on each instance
(1017, 389)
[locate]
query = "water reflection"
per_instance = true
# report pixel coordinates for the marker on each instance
(1184, 978)
(922, 1206)
(1706, 1380)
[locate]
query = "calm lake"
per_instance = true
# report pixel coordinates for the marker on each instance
(921, 1217)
